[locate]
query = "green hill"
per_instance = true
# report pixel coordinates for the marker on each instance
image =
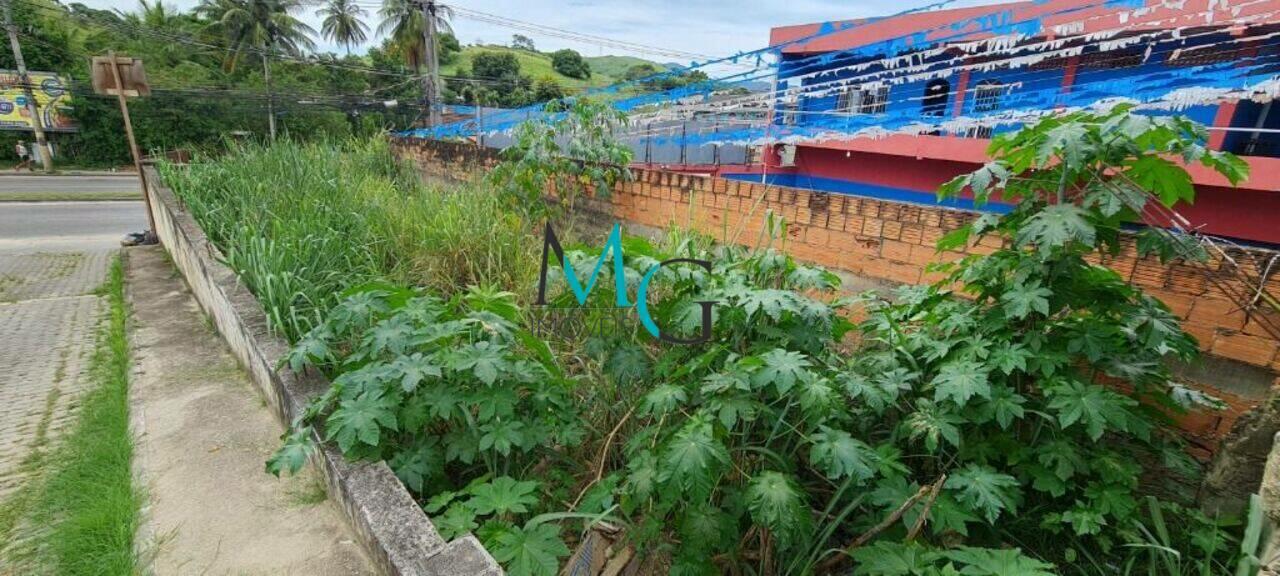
(605, 70)
(616, 66)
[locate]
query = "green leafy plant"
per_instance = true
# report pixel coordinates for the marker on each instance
(1016, 402)
(1005, 420)
(441, 391)
(573, 152)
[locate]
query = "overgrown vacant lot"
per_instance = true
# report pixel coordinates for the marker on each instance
(1000, 433)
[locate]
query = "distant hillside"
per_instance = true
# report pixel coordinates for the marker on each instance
(605, 70)
(616, 66)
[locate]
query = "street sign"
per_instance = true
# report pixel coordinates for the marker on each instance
(110, 74)
(129, 71)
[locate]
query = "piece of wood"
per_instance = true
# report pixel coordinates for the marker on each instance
(111, 72)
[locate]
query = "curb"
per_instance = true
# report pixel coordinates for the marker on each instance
(400, 539)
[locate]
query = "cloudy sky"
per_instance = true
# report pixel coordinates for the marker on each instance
(717, 28)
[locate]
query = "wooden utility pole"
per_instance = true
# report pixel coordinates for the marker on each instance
(135, 86)
(37, 124)
(431, 82)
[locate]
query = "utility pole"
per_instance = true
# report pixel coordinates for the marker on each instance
(431, 82)
(271, 98)
(42, 145)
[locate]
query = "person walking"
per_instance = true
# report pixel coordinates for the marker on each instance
(24, 157)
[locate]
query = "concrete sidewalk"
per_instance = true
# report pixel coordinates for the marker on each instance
(204, 434)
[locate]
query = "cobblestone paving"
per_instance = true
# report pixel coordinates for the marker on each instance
(51, 275)
(48, 316)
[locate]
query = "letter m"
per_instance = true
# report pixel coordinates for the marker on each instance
(612, 247)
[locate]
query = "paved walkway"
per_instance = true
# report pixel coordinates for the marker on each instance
(48, 317)
(204, 435)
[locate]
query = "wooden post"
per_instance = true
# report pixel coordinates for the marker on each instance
(133, 144)
(37, 124)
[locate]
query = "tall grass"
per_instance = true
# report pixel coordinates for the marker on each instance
(302, 222)
(86, 507)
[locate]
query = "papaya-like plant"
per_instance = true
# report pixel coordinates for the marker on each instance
(572, 151)
(1016, 403)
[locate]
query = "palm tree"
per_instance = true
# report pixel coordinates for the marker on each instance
(402, 20)
(152, 15)
(262, 26)
(342, 23)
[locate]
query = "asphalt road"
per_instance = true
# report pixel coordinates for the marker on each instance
(27, 227)
(122, 183)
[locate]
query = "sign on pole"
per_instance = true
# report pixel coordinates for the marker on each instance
(122, 76)
(129, 71)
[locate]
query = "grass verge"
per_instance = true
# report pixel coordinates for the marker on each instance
(85, 506)
(69, 196)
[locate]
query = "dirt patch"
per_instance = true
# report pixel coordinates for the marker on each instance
(204, 435)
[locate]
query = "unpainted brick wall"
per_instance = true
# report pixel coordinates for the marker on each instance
(895, 241)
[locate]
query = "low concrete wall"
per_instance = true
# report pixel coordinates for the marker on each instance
(392, 527)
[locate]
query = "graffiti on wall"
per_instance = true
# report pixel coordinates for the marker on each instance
(53, 101)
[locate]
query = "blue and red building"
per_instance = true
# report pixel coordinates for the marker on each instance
(891, 108)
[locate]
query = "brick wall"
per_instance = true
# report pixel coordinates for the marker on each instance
(895, 242)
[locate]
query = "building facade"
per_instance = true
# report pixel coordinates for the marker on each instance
(891, 108)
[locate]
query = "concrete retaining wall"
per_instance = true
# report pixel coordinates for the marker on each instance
(398, 536)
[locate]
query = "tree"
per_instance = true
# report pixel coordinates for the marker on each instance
(342, 23)
(402, 21)
(448, 48)
(263, 26)
(495, 65)
(522, 42)
(546, 88)
(639, 71)
(501, 71)
(571, 64)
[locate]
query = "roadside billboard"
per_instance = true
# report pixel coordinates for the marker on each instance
(53, 101)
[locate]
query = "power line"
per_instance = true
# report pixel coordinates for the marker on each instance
(543, 29)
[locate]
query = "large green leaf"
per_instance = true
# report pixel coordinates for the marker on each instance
(894, 559)
(694, 457)
(503, 495)
(840, 455)
(1090, 405)
(530, 551)
(984, 490)
(1055, 226)
(1168, 181)
(361, 419)
(1020, 300)
(959, 381)
(1003, 562)
(782, 369)
(777, 503)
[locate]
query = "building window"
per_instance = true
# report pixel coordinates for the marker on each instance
(986, 98)
(863, 100)
(875, 99)
(986, 95)
(1112, 59)
(936, 93)
(850, 100)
